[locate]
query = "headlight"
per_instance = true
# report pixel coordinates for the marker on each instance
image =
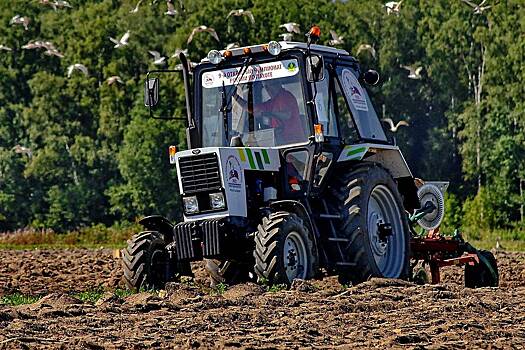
(274, 48)
(217, 200)
(215, 57)
(191, 205)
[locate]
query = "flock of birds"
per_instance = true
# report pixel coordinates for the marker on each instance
(291, 28)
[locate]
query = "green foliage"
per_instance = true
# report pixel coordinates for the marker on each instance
(274, 288)
(18, 299)
(97, 157)
(219, 289)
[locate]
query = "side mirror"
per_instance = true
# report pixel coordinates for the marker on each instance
(151, 92)
(314, 68)
(371, 77)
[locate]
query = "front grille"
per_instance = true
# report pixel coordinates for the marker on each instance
(200, 173)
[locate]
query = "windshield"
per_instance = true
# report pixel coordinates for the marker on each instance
(265, 109)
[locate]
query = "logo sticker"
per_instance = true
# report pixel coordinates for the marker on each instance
(353, 90)
(233, 174)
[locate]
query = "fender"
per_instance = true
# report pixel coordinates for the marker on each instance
(158, 223)
(298, 209)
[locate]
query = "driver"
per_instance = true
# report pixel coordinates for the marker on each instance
(284, 111)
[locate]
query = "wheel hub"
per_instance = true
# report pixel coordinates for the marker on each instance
(295, 257)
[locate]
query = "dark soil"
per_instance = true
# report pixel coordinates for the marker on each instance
(320, 313)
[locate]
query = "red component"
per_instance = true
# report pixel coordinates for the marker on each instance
(315, 32)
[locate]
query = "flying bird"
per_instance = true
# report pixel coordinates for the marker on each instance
(191, 64)
(77, 66)
(232, 46)
(393, 7)
(5, 48)
(241, 12)
(20, 20)
(336, 39)
(178, 51)
(32, 44)
(53, 52)
(414, 72)
(478, 9)
(291, 27)
(114, 79)
(157, 58)
(62, 4)
(171, 8)
(366, 48)
(287, 36)
(23, 150)
(393, 127)
(203, 28)
(122, 42)
(136, 8)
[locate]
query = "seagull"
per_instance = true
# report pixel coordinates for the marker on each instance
(62, 4)
(336, 39)
(171, 9)
(203, 28)
(178, 51)
(241, 12)
(20, 20)
(393, 127)
(287, 36)
(366, 48)
(122, 42)
(114, 79)
(232, 46)
(498, 244)
(478, 9)
(5, 48)
(415, 72)
(53, 52)
(393, 7)
(158, 59)
(77, 66)
(291, 27)
(136, 9)
(23, 150)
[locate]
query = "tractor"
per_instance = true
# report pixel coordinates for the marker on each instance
(288, 173)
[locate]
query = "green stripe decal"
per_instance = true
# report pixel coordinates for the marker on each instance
(241, 154)
(250, 158)
(356, 151)
(259, 160)
(265, 156)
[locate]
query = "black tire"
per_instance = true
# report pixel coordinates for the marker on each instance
(145, 261)
(480, 275)
(366, 196)
(284, 250)
(226, 272)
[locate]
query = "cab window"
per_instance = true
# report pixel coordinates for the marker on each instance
(347, 127)
(325, 106)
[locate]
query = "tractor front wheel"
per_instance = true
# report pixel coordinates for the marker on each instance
(284, 250)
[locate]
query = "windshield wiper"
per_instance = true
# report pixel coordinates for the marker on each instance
(226, 97)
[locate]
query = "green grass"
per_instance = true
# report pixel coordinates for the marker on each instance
(219, 289)
(277, 288)
(18, 299)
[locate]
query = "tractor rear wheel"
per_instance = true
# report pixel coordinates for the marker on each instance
(373, 222)
(146, 262)
(480, 275)
(284, 250)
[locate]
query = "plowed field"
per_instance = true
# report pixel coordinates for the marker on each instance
(320, 313)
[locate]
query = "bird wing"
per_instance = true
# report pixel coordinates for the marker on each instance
(470, 3)
(81, 68)
(70, 70)
(401, 122)
(418, 70)
(250, 16)
(410, 69)
(389, 121)
(232, 13)
(190, 38)
(213, 33)
(114, 41)
(295, 28)
(334, 35)
(171, 8)
(125, 37)
(155, 54)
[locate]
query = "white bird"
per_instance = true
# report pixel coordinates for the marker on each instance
(171, 9)
(291, 27)
(17, 19)
(53, 52)
(114, 79)
(366, 48)
(136, 8)
(241, 12)
(191, 64)
(158, 59)
(77, 66)
(178, 51)
(122, 42)
(203, 28)
(287, 36)
(393, 7)
(62, 4)
(336, 39)
(23, 150)
(393, 127)
(414, 72)
(5, 48)
(478, 9)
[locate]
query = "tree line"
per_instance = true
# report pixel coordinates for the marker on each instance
(76, 151)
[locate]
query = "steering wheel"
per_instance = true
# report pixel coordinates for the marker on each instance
(269, 120)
